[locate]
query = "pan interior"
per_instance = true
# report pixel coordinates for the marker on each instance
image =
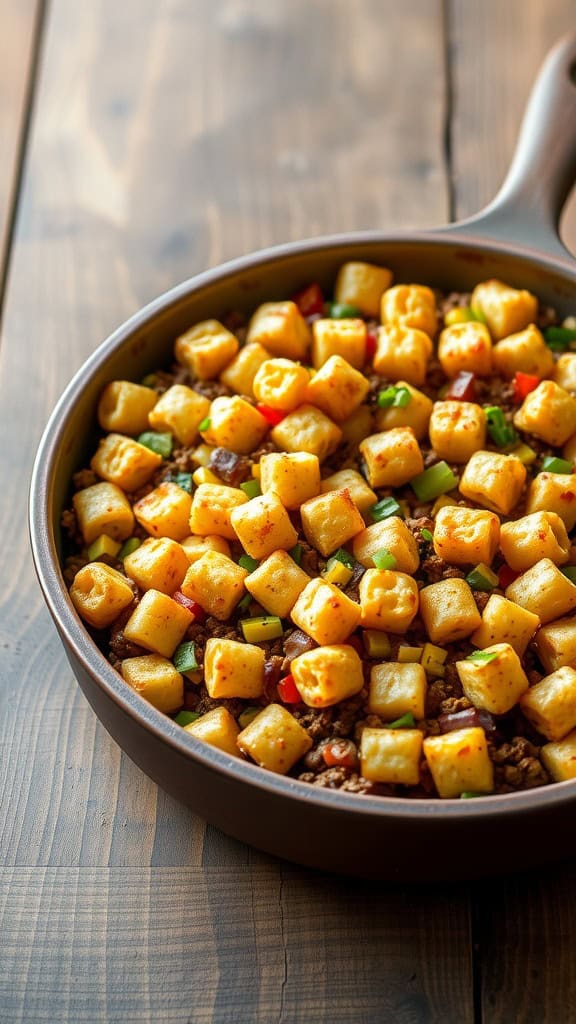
(145, 343)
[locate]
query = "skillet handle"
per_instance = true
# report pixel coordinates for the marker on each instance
(526, 211)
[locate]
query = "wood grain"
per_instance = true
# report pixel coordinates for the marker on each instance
(18, 26)
(214, 944)
(168, 136)
(496, 49)
(523, 928)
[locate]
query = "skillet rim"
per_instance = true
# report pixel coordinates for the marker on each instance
(75, 637)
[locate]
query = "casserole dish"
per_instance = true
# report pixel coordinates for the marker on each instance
(514, 240)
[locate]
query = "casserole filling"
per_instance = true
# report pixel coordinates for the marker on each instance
(336, 539)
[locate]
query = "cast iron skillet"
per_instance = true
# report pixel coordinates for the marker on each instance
(515, 239)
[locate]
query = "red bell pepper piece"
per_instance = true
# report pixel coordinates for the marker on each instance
(371, 342)
(340, 752)
(506, 576)
(524, 383)
(287, 691)
(192, 606)
(274, 416)
(462, 388)
(310, 300)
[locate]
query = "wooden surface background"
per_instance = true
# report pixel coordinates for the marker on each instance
(141, 142)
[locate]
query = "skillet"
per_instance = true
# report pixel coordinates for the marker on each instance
(514, 239)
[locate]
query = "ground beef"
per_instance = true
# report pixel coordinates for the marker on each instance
(436, 569)
(454, 300)
(166, 379)
(233, 469)
(443, 692)
(330, 778)
(346, 714)
(206, 703)
(266, 448)
(481, 598)
(309, 558)
(72, 566)
(122, 648)
(317, 722)
(517, 765)
(85, 478)
(227, 630)
(211, 389)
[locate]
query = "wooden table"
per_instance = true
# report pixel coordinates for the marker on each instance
(143, 141)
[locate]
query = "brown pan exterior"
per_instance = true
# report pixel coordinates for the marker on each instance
(369, 836)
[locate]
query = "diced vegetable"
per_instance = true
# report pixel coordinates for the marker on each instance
(570, 572)
(248, 563)
(433, 659)
(310, 300)
(296, 553)
(559, 338)
(371, 343)
(433, 482)
(342, 311)
(288, 691)
(554, 465)
(205, 424)
(376, 644)
(341, 555)
(394, 398)
(406, 721)
(272, 416)
(260, 628)
(149, 381)
(130, 545)
(501, 432)
(526, 454)
(469, 795)
(408, 655)
(337, 573)
(462, 388)
(384, 509)
(204, 475)
(384, 559)
(458, 315)
(524, 383)
(484, 656)
(427, 536)
(184, 480)
(184, 718)
(482, 578)
(245, 603)
(192, 606)
(340, 752)
(247, 716)
(103, 545)
(157, 441)
(184, 657)
(251, 488)
(506, 576)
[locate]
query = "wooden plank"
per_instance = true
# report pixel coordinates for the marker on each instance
(203, 945)
(524, 931)
(18, 26)
(526, 936)
(131, 190)
(167, 137)
(490, 87)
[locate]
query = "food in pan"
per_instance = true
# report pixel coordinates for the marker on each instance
(336, 540)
